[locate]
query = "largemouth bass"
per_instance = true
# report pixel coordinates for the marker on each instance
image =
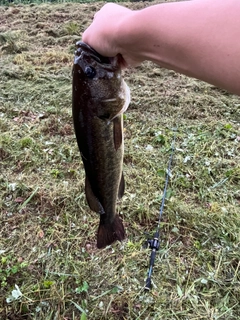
(100, 96)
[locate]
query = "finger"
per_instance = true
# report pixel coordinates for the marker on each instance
(95, 15)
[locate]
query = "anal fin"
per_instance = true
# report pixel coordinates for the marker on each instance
(121, 187)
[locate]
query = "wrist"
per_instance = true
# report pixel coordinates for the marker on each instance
(128, 38)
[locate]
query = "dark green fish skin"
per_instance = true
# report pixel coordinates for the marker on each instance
(100, 96)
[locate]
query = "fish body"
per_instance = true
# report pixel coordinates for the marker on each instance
(100, 96)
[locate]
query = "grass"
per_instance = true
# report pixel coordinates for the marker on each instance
(49, 265)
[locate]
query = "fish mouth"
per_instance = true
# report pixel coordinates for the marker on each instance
(82, 46)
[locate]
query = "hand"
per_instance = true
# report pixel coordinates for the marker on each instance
(105, 34)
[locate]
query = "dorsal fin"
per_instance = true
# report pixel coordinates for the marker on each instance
(92, 200)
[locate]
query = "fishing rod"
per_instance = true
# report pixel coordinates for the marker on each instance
(154, 243)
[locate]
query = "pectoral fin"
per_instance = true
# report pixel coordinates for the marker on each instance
(92, 200)
(117, 132)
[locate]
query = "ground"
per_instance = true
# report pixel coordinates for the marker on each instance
(49, 265)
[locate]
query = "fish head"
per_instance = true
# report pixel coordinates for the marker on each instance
(98, 81)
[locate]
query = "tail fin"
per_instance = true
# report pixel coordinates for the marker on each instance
(109, 232)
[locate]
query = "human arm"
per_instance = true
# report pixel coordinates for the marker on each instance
(198, 38)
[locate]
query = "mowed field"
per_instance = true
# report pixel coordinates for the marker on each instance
(50, 268)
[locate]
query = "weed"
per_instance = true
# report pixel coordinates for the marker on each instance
(9, 268)
(72, 28)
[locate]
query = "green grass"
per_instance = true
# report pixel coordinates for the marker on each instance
(48, 233)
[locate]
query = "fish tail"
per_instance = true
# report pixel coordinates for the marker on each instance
(109, 232)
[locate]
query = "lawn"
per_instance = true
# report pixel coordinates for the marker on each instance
(50, 268)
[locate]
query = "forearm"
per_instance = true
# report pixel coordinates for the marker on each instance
(199, 38)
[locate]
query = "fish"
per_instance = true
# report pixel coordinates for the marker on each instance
(100, 96)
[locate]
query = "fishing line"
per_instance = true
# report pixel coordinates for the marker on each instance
(154, 243)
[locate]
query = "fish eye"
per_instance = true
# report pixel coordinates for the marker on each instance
(90, 72)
